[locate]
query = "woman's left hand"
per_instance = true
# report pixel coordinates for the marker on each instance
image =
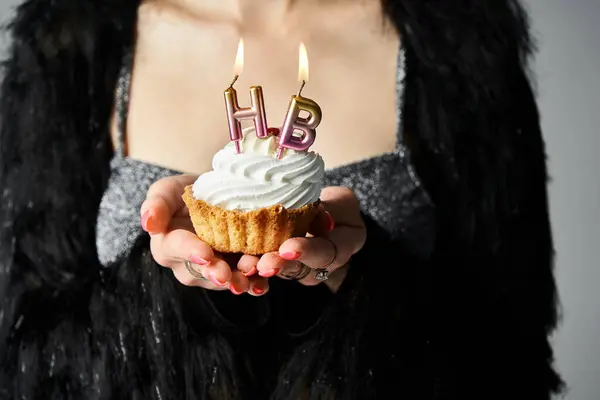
(337, 233)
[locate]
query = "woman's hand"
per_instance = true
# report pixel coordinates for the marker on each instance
(337, 234)
(174, 243)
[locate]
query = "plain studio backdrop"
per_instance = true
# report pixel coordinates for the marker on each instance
(567, 66)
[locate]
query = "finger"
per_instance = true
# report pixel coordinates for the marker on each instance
(323, 222)
(185, 278)
(173, 248)
(271, 264)
(163, 200)
(259, 286)
(295, 271)
(247, 265)
(238, 284)
(218, 272)
(181, 244)
(342, 205)
(338, 230)
(319, 252)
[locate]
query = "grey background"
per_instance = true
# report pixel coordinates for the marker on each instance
(567, 67)
(568, 33)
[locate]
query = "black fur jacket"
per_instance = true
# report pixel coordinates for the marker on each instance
(470, 323)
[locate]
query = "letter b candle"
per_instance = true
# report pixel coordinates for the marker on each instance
(294, 122)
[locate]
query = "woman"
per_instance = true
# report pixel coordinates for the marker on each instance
(441, 289)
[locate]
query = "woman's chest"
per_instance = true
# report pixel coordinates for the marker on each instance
(177, 113)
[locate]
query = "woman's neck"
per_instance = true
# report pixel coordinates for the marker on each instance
(255, 13)
(235, 9)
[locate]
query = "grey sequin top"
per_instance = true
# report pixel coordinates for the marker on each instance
(386, 185)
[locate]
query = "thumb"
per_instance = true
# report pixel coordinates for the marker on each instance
(323, 223)
(163, 200)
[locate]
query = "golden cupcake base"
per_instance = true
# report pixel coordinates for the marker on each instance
(253, 232)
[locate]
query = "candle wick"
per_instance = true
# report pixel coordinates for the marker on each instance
(235, 78)
(301, 87)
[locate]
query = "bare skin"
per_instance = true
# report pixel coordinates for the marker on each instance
(184, 60)
(183, 63)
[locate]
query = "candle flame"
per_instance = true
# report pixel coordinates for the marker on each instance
(238, 67)
(302, 64)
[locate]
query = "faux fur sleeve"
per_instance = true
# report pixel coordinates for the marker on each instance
(471, 106)
(54, 152)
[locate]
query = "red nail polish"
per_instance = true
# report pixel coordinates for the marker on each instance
(257, 291)
(290, 255)
(214, 280)
(330, 221)
(269, 273)
(145, 219)
(251, 272)
(234, 290)
(199, 260)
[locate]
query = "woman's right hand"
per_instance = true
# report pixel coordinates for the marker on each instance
(174, 244)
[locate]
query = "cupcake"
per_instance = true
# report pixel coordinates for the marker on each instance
(252, 202)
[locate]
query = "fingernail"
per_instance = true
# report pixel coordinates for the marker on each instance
(199, 260)
(250, 273)
(234, 290)
(145, 218)
(330, 221)
(257, 291)
(269, 273)
(290, 255)
(214, 280)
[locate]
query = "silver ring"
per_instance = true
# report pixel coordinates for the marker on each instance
(302, 273)
(322, 274)
(192, 271)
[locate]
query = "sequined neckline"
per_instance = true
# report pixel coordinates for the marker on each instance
(400, 149)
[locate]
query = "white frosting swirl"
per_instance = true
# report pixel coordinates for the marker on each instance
(255, 178)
